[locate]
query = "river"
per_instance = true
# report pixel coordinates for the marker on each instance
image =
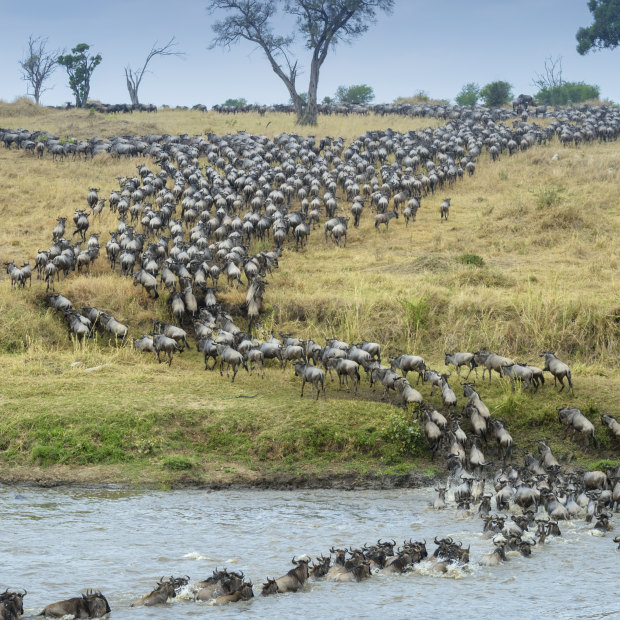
(57, 542)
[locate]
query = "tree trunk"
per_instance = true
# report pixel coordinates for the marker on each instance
(310, 112)
(37, 93)
(133, 90)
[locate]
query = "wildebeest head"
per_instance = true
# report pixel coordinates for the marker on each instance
(271, 587)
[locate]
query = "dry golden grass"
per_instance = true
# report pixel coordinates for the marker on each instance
(82, 124)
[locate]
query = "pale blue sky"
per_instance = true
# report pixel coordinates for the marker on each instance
(435, 46)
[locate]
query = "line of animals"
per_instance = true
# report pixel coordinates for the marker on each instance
(541, 490)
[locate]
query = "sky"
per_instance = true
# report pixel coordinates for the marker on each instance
(435, 46)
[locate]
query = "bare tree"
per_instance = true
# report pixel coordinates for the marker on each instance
(552, 76)
(321, 23)
(135, 77)
(37, 66)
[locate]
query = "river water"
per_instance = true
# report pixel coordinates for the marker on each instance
(57, 542)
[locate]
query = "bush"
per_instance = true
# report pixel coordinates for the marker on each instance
(496, 94)
(469, 94)
(471, 259)
(178, 463)
(404, 434)
(568, 92)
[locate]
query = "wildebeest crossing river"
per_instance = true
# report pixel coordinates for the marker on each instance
(57, 542)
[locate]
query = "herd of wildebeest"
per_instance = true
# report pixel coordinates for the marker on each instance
(188, 222)
(520, 514)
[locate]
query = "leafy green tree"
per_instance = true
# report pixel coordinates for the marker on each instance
(605, 31)
(320, 24)
(496, 94)
(235, 103)
(568, 92)
(80, 67)
(469, 94)
(327, 100)
(359, 94)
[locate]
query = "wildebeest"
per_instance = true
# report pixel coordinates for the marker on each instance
(444, 209)
(406, 363)
(89, 605)
(573, 417)
(558, 369)
(461, 359)
(491, 361)
(244, 593)
(296, 577)
(314, 376)
(12, 604)
(163, 591)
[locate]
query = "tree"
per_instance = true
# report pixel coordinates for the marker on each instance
(552, 77)
(605, 31)
(135, 77)
(567, 93)
(37, 66)
(80, 67)
(321, 23)
(469, 94)
(361, 94)
(496, 94)
(235, 103)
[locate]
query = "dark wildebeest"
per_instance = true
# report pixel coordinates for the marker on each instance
(89, 605)
(163, 591)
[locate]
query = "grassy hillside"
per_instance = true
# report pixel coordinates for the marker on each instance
(528, 261)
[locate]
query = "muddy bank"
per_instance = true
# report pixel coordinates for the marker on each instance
(216, 478)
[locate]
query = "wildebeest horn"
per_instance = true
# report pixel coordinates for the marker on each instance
(436, 542)
(294, 561)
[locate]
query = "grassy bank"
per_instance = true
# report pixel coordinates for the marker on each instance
(528, 261)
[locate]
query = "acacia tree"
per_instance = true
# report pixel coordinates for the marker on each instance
(80, 67)
(321, 23)
(605, 31)
(37, 66)
(135, 77)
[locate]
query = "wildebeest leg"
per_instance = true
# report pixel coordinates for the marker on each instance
(303, 382)
(235, 369)
(561, 380)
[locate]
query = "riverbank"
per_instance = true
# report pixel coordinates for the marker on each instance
(215, 479)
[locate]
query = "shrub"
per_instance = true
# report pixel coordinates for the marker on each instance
(178, 463)
(404, 434)
(471, 259)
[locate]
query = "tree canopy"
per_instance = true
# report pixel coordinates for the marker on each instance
(469, 94)
(496, 94)
(320, 23)
(567, 93)
(80, 67)
(605, 31)
(359, 94)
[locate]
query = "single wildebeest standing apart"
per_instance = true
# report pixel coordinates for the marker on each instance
(314, 376)
(444, 208)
